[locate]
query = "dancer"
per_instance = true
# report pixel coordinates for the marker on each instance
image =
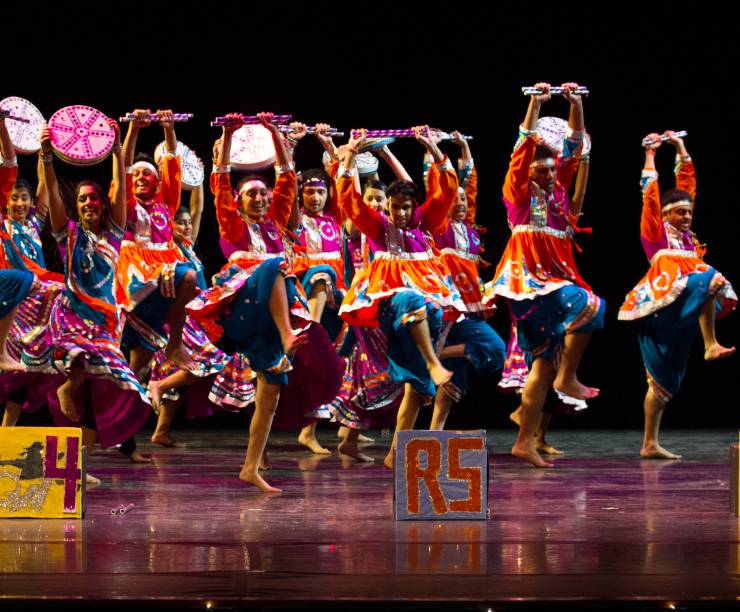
(555, 308)
(101, 393)
(470, 342)
(256, 300)
(403, 290)
(153, 281)
(678, 290)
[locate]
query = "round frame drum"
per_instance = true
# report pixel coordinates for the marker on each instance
(192, 166)
(552, 131)
(252, 148)
(80, 135)
(26, 137)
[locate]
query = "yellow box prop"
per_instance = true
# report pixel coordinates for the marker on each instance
(42, 474)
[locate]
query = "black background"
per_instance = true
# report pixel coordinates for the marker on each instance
(454, 66)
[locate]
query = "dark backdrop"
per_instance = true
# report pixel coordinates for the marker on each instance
(455, 66)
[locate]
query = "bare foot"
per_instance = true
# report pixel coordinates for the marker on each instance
(164, 439)
(257, 480)
(137, 457)
(548, 449)
(529, 452)
(440, 375)
(516, 416)
(351, 450)
(344, 430)
(180, 358)
(390, 459)
(156, 394)
(717, 351)
(292, 343)
(656, 451)
(574, 388)
(91, 480)
(7, 364)
(312, 443)
(65, 393)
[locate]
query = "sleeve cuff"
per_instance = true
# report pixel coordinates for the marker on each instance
(445, 165)
(346, 172)
(10, 163)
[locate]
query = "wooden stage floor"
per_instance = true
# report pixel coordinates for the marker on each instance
(602, 526)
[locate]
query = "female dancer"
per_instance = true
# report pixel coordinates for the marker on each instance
(255, 296)
(85, 325)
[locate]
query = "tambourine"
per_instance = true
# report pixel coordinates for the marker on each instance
(26, 137)
(80, 135)
(252, 148)
(552, 130)
(373, 144)
(192, 166)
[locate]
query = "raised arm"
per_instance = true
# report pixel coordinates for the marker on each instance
(42, 197)
(394, 164)
(567, 165)
(57, 211)
(684, 168)
(284, 207)
(118, 210)
(141, 120)
(651, 227)
(197, 199)
(171, 165)
(230, 225)
(322, 135)
(516, 183)
(579, 195)
(467, 175)
(434, 212)
(367, 220)
(9, 168)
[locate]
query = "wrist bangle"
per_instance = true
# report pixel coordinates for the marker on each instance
(116, 148)
(222, 169)
(47, 158)
(291, 140)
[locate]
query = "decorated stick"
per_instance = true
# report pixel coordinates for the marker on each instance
(536, 91)
(249, 120)
(446, 136)
(286, 129)
(646, 142)
(5, 114)
(153, 117)
(408, 133)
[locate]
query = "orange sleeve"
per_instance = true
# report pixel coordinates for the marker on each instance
(471, 193)
(516, 183)
(432, 179)
(686, 177)
(434, 212)
(8, 176)
(283, 197)
(651, 225)
(171, 182)
(230, 224)
(367, 220)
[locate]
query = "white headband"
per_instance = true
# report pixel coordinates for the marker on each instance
(145, 164)
(680, 203)
(250, 185)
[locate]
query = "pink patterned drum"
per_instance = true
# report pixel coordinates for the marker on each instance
(192, 166)
(252, 148)
(26, 137)
(552, 132)
(80, 135)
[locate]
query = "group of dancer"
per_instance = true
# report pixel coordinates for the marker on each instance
(341, 297)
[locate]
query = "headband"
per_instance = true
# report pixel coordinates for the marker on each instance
(317, 182)
(146, 164)
(680, 203)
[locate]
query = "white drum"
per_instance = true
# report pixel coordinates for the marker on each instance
(192, 166)
(26, 137)
(252, 148)
(552, 131)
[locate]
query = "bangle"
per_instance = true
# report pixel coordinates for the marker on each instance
(222, 169)
(46, 158)
(289, 167)
(291, 140)
(683, 158)
(116, 148)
